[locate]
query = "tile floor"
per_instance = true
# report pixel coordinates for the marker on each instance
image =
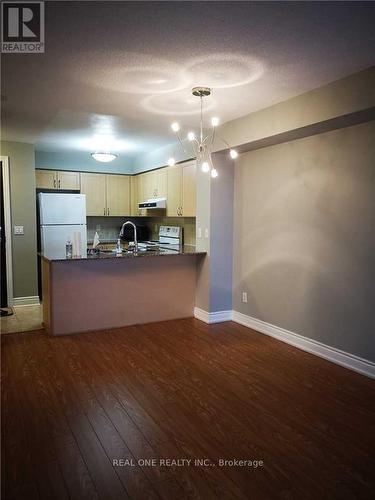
(24, 319)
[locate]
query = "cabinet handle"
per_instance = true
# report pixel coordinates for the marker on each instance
(54, 183)
(104, 211)
(107, 211)
(59, 183)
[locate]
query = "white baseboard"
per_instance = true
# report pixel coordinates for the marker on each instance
(332, 354)
(26, 301)
(214, 317)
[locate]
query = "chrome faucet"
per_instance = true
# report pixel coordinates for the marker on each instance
(121, 233)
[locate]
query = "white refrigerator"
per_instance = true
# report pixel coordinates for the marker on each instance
(61, 216)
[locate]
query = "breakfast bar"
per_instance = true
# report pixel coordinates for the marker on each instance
(105, 290)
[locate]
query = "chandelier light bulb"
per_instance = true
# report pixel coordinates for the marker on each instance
(233, 154)
(215, 121)
(205, 166)
(171, 162)
(191, 136)
(214, 173)
(175, 127)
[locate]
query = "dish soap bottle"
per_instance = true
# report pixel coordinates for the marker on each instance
(118, 247)
(69, 249)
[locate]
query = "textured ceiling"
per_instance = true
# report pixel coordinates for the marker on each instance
(115, 74)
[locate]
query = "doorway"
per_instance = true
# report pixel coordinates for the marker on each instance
(5, 239)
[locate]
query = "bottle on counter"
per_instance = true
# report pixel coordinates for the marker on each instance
(118, 247)
(69, 249)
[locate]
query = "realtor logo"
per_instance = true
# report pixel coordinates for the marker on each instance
(22, 27)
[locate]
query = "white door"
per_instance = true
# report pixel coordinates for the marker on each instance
(54, 239)
(61, 208)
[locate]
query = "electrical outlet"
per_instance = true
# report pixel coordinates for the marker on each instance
(199, 232)
(18, 230)
(206, 233)
(244, 297)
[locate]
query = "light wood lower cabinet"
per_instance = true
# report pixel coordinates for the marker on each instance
(94, 187)
(51, 179)
(118, 194)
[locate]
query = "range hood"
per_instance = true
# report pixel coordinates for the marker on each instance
(153, 203)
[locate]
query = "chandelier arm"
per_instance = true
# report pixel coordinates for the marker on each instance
(181, 143)
(194, 147)
(213, 135)
(225, 142)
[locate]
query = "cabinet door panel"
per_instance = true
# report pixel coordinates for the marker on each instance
(134, 195)
(46, 179)
(93, 186)
(161, 183)
(118, 195)
(189, 190)
(68, 180)
(141, 192)
(174, 178)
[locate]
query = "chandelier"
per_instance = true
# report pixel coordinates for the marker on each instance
(202, 145)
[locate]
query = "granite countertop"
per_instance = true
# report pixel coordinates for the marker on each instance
(105, 255)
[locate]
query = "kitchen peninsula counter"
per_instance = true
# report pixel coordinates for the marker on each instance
(108, 254)
(105, 290)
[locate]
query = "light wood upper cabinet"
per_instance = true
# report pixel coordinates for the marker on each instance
(46, 179)
(189, 189)
(181, 190)
(160, 183)
(68, 180)
(94, 187)
(118, 194)
(174, 192)
(51, 179)
(134, 195)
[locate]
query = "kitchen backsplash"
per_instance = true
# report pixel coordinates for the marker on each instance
(108, 228)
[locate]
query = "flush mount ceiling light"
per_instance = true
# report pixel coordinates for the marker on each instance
(104, 157)
(202, 145)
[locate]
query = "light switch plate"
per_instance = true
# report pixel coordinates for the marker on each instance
(199, 232)
(244, 297)
(206, 233)
(18, 230)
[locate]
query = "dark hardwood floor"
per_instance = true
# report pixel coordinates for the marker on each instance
(181, 390)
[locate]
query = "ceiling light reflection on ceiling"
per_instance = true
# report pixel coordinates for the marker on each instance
(104, 157)
(175, 127)
(171, 162)
(191, 136)
(215, 121)
(233, 154)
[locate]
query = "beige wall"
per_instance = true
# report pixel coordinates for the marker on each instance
(304, 241)
(23, 212)
(342, 98)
